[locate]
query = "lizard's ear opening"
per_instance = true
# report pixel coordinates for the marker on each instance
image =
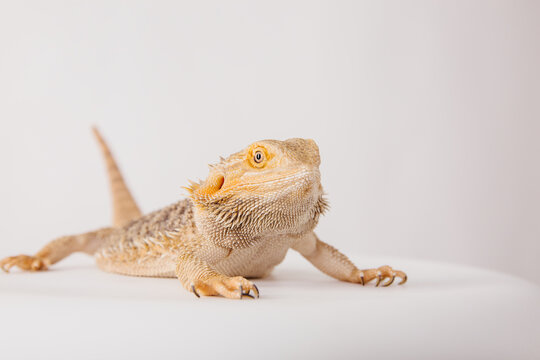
(217, 182)
(208, 188)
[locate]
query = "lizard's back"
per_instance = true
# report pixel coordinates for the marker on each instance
(145, 246)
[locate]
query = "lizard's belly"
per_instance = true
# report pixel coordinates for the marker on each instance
(254, 262)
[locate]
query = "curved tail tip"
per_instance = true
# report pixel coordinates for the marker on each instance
(97, 133)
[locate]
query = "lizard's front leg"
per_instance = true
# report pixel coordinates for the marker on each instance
(197, 276)
(331, 262)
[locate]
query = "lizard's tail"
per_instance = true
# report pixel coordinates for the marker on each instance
(125, 208)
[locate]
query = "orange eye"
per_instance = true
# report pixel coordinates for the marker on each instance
(258, 157)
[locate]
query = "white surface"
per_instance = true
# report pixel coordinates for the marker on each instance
(426, 113)
(444, 312)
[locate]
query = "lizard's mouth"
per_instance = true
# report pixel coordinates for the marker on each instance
(271, 180)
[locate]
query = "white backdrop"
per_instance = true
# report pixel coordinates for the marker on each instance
(427, 114)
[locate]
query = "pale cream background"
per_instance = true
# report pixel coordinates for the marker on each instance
(426, 114)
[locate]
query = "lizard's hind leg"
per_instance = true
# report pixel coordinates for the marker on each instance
(58, 249)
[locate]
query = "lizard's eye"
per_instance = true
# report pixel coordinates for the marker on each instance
(258, 157)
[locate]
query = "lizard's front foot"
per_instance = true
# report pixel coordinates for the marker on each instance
(25, 262)
(230, 287)
(381, 273)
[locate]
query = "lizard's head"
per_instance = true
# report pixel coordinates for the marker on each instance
(269, 187)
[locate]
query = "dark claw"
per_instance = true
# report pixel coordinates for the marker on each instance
(362, 278)
(242, 293)
(388, 283)
(403, 281)
(194, 291)
(256, 290)
(379, 278)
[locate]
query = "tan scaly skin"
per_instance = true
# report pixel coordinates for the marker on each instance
(239, 223)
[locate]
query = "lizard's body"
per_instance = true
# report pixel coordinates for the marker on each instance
(237, 224)
(174, 228)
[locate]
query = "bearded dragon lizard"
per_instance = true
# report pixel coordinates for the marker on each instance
(237, 224)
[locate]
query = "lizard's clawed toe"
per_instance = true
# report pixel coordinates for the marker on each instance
(229, 287)
(242, 293)
(389, 282)
(194, 291)
(25, 262)
(256, 291)
(382, 273)
(248, 293)
(403, 278)
(253, 288)
(379, 278)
